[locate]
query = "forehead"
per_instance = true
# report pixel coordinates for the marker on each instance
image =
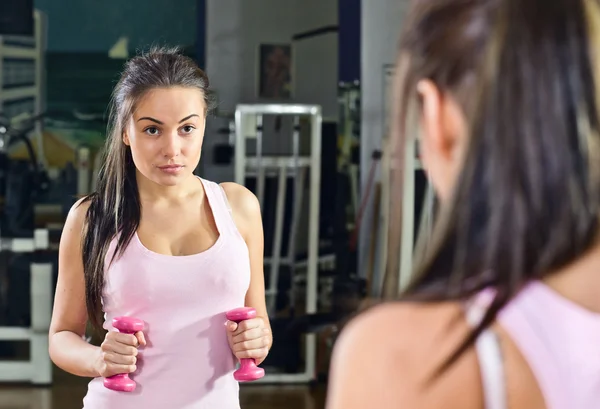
(171, 103)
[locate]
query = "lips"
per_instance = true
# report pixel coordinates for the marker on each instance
(167, 167)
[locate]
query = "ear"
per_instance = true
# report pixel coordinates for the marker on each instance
(126, 138)
(431, 115)
(442, 122)
(442, 136)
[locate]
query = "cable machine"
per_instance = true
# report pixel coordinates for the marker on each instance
(249, 119)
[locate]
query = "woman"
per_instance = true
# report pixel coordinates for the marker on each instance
(159, 244)
(504, 308)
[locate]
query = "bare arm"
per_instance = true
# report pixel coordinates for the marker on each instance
(247, 216)
(68, 349)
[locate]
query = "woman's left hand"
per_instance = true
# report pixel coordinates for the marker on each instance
(249, 339)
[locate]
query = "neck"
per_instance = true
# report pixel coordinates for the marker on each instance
(153, 192)
(580, 281)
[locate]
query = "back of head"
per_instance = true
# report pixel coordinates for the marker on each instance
(115, 206)
(525, 202)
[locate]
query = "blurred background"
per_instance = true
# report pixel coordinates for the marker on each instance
(307, 80)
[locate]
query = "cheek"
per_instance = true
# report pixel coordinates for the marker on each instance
(142, 152)
(193, 147)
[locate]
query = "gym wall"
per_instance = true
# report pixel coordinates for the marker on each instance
(97, 25)
(234, 31)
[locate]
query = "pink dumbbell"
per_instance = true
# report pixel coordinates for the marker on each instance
(248, 370)
(122, 382)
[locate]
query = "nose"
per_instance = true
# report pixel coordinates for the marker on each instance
(172, 146)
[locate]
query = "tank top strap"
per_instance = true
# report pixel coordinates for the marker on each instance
(489, 355)
(220, 206)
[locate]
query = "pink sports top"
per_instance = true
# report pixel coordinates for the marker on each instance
(187, 363)
(560, 341)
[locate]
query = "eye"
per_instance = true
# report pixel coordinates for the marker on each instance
(187, 129)
(152, 131)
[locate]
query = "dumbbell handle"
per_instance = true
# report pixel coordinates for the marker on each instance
(248, 370)
(122, 382)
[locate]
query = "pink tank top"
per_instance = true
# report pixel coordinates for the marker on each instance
(187, 363)
(560, 342)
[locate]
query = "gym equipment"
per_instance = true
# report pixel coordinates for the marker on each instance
(21, 95)
(248, 370)
(249, 125)
(22, 84)
(122, 382)
(38, 369)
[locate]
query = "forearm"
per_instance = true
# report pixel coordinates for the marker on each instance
(73, 354)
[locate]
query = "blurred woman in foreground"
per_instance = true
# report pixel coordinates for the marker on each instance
(504, 307)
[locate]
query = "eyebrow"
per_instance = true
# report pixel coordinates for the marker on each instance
(147, 118)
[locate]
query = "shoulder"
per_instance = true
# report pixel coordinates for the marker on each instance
(245, 209)
(77, 214)
(74, 226)
(242, 201)
(390, 352)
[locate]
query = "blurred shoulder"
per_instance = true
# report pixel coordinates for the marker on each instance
(396, 348)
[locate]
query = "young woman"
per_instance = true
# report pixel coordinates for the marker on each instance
(159, 244)
(504, 309)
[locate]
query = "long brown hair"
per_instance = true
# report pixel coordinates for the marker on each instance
(114, 208)
(527, 200)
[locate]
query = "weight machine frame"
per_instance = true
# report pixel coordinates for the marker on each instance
(38, 369)
(34, 49)
(244, 164)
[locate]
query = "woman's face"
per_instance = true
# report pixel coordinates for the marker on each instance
(165, 134)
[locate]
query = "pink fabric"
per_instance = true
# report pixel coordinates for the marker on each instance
(187, 363)
(561, 343)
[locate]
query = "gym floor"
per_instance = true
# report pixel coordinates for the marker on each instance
(67, 393)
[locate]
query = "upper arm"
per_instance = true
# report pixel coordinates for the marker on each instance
(386, 356)
(247, 216)
(69, 313)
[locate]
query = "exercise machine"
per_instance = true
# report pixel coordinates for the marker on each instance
(21, 100)
(22, 83)
(38, 369)
(249, 119)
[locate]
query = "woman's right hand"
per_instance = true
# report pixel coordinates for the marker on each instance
(118, 353)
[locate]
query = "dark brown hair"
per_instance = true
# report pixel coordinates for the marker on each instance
(114, 209)
(527, 199)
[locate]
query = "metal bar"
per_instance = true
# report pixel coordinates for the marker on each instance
(292, 243)
(291, 256)
(288, 378)
(279, 109)
(15, 334)
(16, 371)
(312, 276)
(18, 93)
(279, 213)
(240, 150)
(260, 180)
(277, 162)
(41, 307)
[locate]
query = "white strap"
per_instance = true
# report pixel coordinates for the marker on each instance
(492, 370)
(225, 199)
(490, 359)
